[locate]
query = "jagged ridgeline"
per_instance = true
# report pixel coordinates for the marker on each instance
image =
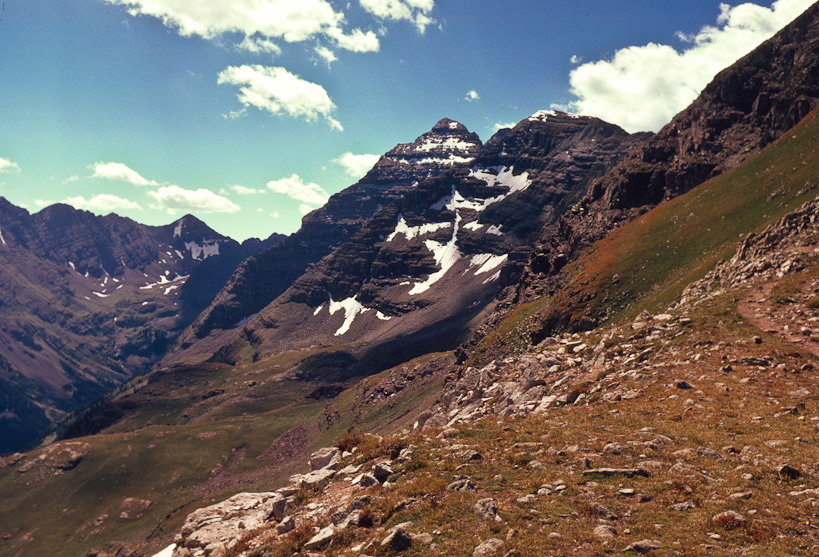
(88, 302)
(352, 321)
(415, 255)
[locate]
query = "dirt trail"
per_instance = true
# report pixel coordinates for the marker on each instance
(756, 308)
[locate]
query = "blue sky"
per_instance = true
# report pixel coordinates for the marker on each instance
(248, 113)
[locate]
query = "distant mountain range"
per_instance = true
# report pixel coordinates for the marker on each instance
(454, 281)
(88, 302)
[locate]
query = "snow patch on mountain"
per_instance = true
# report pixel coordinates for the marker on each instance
(411, 232)
(446, 255)
(1, 238)
(202, 252)
(450, 143)
(487, 262)
(502, 177)
(177, 231)
(352, 308)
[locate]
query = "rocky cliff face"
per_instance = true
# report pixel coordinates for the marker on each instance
(261, 279)
(89, 301)
(746, 107)
(432, 255)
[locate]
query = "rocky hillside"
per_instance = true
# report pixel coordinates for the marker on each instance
(742, 110)
(560, 448)
(419, 272)
(88, 301)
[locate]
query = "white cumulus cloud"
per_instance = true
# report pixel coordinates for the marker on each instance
(416, 11)
(472, 96)
(295, 188)
(102, 203)
(278, 91)
(500, 126)
(119, 171)
(643, 87)
(6, 166)
(356, 166)
(174, 199)
(289, 20)
(304, 208)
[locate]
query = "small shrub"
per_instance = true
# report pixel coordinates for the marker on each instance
(348, 441)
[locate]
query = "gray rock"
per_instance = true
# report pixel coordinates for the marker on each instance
(682, 507)
(398, 540)
(382, 471)
(643, 546)
(488, 509)
(488, 547)
(728, 519)
(327, 457)
(324, 537)
(365, 480)
(605, 531)
(461, 484)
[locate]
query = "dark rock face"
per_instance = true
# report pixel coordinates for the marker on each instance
(745, 107)
(421, 252)
(261, 279)
(89, 301)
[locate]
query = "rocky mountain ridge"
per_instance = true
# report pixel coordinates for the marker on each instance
(90, 301)
(435, 258)
(744, 108)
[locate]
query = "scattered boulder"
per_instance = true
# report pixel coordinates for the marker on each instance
(488, 547)
(365, 480)
(643, 546)
(382, 471)
(488, 509)
(605, 531)
(398, 539)
(328, 457)
(323, 538)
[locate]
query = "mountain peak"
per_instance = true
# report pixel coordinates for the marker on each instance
(445, 124)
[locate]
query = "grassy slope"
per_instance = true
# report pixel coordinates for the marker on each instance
(182, 447)
(659, 254)
(646, 264)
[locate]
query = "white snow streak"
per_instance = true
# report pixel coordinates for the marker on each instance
(446, 255)
(177, 231)
(351, 308)
(1, 238)
(100, 294)
(167, 552)
(486, 262)
(411, 232)
(383, 317)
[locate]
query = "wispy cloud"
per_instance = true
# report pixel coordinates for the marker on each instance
(8, 167)
(295, 188)
(117, 171)
(356, 166)
(416, 11)
(472, 96)
(103, 203)
(259, 45)
(276, 90)
(643, 87)
(173, 199)
(326, 54)
(242, 190)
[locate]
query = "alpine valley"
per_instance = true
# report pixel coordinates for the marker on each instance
(567, 340)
